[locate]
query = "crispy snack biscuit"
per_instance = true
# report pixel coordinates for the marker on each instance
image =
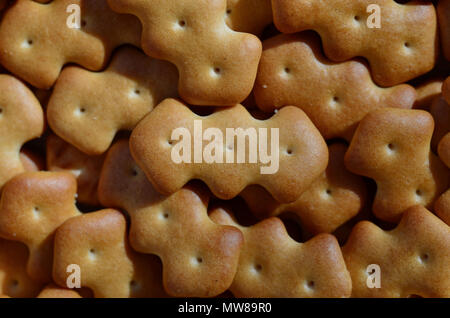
(199, 257)
(21, 119)
(14, 280)
(31, 160)
(427, 92)
(272, 264)
(443, 11)
(217, 65)
(250, 16)
(87, 108)
(403, 48)
(36, 39)
(333, 199)
(335, 96)
(62, 156)
(442, 207)
(97, 242)
(413, 258)
(32, 207)
(392, 146)
(301, 150)
(53, 291)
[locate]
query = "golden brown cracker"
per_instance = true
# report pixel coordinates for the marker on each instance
(413, 258)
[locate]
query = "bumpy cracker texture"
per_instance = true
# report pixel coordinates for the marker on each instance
(413, 258)
(442, 207)
(303, 153)
(333, 199)
(427, 92)
(392, 146)
(14, 280)
(21, 119)
(31, 160)
(62, 156)
(199, 257)
(402, 49)
(87, 109)
(443, 10)
(32, 207)
(35, 41)
(335, 96)
(217, 65)
(97, 242)
(250, 16)
(440, 110)
(53, 291)
(272, 264)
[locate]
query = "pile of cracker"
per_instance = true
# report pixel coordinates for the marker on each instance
(118, 178)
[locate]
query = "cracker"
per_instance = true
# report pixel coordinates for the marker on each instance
(303, 154)
(32, 31)
(87, 108)
(199, 257)
(403, 48)
(62, 156)
(333, 199)
(14, 280)
(97, 242)
(392, 146)
(249, 16)
(413, 258)
(21, 119)
(272, 264)
(335, 96)
(217, 65)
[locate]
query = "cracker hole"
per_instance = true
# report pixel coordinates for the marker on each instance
(419, 192)
(406, 44)
(287, 70)
(328, 191)
(424, 257)
(391, 146)
(311, 284)
(289, 152)
(170, 142)
(36, 211)
(92, 253)
(83, 23)
(134, 172)
(1, 110)
(217, 70)
(165, 215)
(258, 267)
(82, 110)
(335, 99)
(228, 11)
(137, 91)
(30, 42)
(182, 23)
(356, 17)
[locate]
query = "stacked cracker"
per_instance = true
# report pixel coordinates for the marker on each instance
(364, 148)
